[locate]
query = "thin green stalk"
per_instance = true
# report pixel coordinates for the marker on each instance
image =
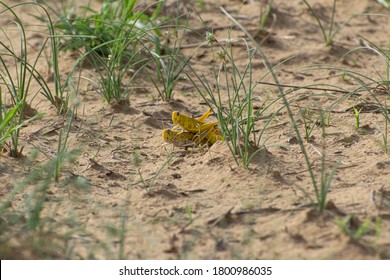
(18, 88)
(326, 178)
(62, 147)
(328, 38)
(318, 20)
(330, 35)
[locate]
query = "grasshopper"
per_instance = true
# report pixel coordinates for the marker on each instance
(190, 124)
(190, 132)
(183, 139)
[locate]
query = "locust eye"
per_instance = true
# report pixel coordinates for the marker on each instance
(177, 113)
(168, 131)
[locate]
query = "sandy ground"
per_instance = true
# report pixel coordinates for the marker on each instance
(172, 204)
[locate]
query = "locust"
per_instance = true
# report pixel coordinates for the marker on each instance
(183, 139)
(191, 132)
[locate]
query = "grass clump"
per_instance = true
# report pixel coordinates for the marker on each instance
(351, 227)
(17, 75)
(100, 29)
(321, 186)
(169, 63)
(236, 115)
(328, 36)
(112, 40)
(7, 124)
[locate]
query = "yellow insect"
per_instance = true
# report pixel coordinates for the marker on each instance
(190, 124)
(183, 138)
(190, 132)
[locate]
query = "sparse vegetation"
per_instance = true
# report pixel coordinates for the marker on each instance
(87, 89)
